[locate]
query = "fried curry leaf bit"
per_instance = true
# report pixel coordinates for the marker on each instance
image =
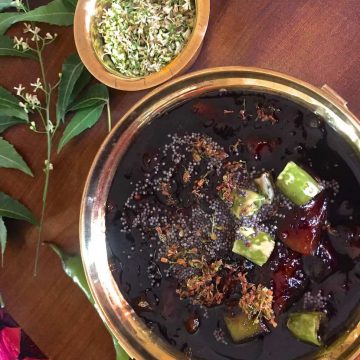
(10, 158)
(73, 267)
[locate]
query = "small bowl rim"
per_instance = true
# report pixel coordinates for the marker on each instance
(84, 13)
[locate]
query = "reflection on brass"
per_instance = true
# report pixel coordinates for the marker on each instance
(130, 330)
(89, 46)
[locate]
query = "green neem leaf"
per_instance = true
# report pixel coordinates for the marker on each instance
(7, 49)
(9, 105)
(73, 267)
(8, 121)
(96, 95)
(80, 84)
(8, 19)
(3, 237)
(71, 72)
(71, 3)
(10, 158)
(120, 353)
(82, 120)
(11, 208)
(57, 12)
(5, 4)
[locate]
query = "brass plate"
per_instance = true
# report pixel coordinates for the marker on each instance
(129, 329)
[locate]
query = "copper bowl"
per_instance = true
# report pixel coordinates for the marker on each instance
(128, 328)
(89, 46)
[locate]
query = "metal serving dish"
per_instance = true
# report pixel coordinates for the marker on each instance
(89, 46)
(128, 328)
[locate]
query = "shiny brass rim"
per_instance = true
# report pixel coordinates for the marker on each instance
(84, 33)
(128, 328)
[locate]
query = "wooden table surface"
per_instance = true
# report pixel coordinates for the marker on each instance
(314, 40)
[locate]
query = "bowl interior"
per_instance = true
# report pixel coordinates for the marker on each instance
(97, 41)
(89, 46)
(132, 333)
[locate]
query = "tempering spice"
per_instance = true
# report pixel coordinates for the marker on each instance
(191, 243)
(142, 36)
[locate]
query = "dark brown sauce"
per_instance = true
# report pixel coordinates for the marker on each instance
(291, 132)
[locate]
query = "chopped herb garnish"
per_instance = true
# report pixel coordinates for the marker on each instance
(142, 36)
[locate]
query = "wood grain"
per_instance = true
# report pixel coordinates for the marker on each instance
(316, 40)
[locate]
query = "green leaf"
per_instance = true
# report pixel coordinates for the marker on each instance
(3, 237)
(5, 4)
(9, 105)
(96, 95)
(120, 353)
(57, 12)
(71, 72)
(7, 49)
(8, 121)
(11, 208)
(71, 3)
(73, 267)
(82, 120)
(80, 84)
(10, 158)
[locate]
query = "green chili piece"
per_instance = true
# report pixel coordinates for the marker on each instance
(242, 328)
(266, 187)
(73, 267)
(296, 184)
(247, 204)
(305, 326)
(255, 246)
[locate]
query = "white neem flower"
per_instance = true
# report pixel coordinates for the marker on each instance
(33, 126)
(48, 165)
(37, 85)
(27, 28)
(35, 32)
(32, 100)
(24, 106)
(18, 42)
(19, 89)
(50, 127)
(25, 45)
(187, 5)
(18, 4)
(48, 36)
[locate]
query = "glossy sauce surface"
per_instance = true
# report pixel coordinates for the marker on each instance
(290, 132)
